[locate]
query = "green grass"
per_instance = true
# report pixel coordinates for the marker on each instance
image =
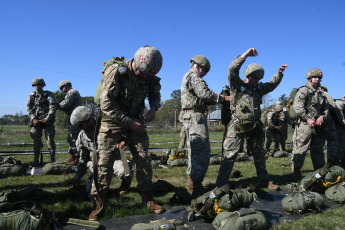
(73, 203)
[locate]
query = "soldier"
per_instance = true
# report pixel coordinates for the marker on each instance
(275, 121)
(245, 100)
(71, 101)
(41, 107)
(285, 128)
(83, 118)
(339, 120)
(195, 96)
(312, 108)
(331, 130)
(122, 100)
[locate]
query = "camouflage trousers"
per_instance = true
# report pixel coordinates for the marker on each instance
(332, 140)
(72, 136)
(182, 138)
(273, 135)
(138, 144)
(232, 144)
(340, 142)
(198, 144)
(303, 139)
(36, 136)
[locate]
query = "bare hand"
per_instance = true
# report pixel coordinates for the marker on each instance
(251, 52)
(122, 145)
(137, 127)
(35, 122)
(282, 68)
(151, 114)
(45, 120)
(277, 127)
(319, 121)
(311, 122)
(227, 98)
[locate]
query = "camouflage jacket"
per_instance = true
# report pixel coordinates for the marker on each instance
(41, 106)
(85, 148)
(274, 119)
(123, 95)
(339, 117)
(195, 93)
(310, 103)
(245, 100)
(71, 101)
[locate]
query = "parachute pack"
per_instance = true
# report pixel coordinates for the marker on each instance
(160, 224)
(56, 168)
(112, 61)
(10, 167)
(177, 157)
(291, 110)
(336, 193)
(299, 202)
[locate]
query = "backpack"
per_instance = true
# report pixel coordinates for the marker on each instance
(299, 202)
(292, 113)
(215, 160)
(160, 224)
(10, 167)
(177, 157)
(112, 61)
(321, 179)
(280, 153)
(336, 193)
(56, 168)
(264, 117)
(246, 218)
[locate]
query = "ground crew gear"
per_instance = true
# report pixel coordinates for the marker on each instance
(56, 168)
(63, 83)
(336, 193)
(148, 60)
(201, 61)
(299, 202)
(160, 224)
(315, 72)
(254, 70)
(38, 81)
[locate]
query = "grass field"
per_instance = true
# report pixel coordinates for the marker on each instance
(73, 203)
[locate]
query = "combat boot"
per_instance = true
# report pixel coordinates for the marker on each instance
(269, 185)
(296, 173)
(35, 163)
(52, 156)
(189, 184)
(97, 208)
(124, 187)
(71, 158)
(147, 200)
(198, 189)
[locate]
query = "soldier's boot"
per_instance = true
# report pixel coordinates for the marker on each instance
(52, 156)
(269, 185)
(198, 189)
(97, 209)
(147, 200)
(125, 185)
(283, 146)
(189, 184)
(71, 158)
(36, 162)
(296, 173)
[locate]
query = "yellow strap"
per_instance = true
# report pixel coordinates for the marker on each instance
(216, 209)
(329, 184)
(178, 155)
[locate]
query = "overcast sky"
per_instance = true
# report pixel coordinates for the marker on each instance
(69, 40)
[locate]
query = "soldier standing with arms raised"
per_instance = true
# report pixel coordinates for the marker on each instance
(195, 96)
(41, 107)
(245, 99)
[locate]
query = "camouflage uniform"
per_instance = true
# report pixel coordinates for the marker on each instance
(85, 147)
(39, 107)
(182, 132)
(246, 109)
(285, 127)
(273, 120)
(70, 102)
(123, 99)
(195, 96)
(309, 103)
(339, 120)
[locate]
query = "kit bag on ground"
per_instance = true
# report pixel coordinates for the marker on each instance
(177, 157)
(10, 167)
(336, 193)
(160, 224)
(323, 178)
(56, 168)
(299, 202)
(221, 199)
(280, 153)
(215, 160)
(245, 218)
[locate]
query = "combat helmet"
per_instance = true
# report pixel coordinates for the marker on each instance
(324, 88)
(148, 60)
(254, 70)
(278, 108)
(201, 61)
(80, 114)
(38, 81)
(314, 72)
(63, 83)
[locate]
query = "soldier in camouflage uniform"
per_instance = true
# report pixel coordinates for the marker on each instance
(195, 96)
(41, 107)
(122, 103)
(182, 132)
(71, 101)
(331, 130)
(285, 128)
(339, 120)
(83, 118)
(274, 132)
(312, 108)
(245, 99)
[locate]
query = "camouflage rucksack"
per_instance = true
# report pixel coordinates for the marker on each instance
(298, 202)
(280, 153)
(336, 193)
(245, 218)
(112, 61)
(291, 110)
(56, 168)
(10, 167)
(177, 157)
(160, 224)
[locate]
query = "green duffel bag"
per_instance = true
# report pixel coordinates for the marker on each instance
(160, 224)
(236, 198)
(56, 168)
(8, 169)
(336, 193)
(321, 179)
(177, 162)
(242, 156)
(215, 160)
(299, 202)
(280, 153)
(245, 218)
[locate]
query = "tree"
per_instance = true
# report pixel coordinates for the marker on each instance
(284, 99)
(169, 110)
(267, 101)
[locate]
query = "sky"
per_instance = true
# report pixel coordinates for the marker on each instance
(69, 40)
